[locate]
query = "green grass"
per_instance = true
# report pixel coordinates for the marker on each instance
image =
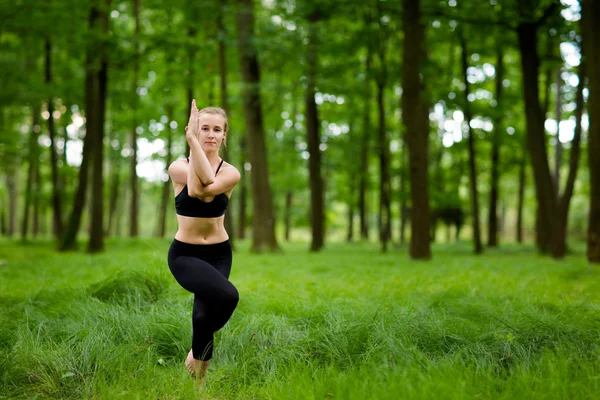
(348, 323)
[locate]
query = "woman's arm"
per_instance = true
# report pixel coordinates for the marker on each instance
(198, 162)
(224, 182)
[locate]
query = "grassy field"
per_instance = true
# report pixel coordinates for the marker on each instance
(348, 323)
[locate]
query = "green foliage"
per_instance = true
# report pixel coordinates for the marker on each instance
(346, 323)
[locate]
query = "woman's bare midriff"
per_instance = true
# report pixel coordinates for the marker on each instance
(201, 230)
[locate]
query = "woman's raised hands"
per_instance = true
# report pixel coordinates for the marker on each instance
(193, 128)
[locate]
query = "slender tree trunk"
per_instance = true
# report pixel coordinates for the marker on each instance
(560, 237)
(288, 215)
(11, 185)
(364, 154)
(558, 150)
(35, 230)
(403, 195)
(536, 142)
(32, 165)
(115, 183)
(590, 16)
(384, 183)
(222, 36)
(3, 223)
(495, 173)
(134, 206)
(416, 120)
(96, 243)
(243, 196)
(263, 234)
(521, 199)
(166, 188)
(56, 190)
(478, 249)
(92, 88)
(313, 138)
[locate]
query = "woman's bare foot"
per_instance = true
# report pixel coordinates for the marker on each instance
(196, 368)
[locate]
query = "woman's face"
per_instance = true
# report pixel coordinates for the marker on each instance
(212, 131)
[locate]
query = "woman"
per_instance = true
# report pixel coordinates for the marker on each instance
(200, 255)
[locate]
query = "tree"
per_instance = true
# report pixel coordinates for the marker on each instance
(313, 138)
(263, 234)
(590, 16)
(415, 117)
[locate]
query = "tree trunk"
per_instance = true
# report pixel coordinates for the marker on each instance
(98, 103)
(37, 185)
(57, 217)
(33, 160)
(521, 199)
(222, 35)
(115, 183)
(558, 151)
(93, 64)
(166, 188)
(384, 183)
(313, 139)
(364, 154)
(472, 155)
(560, 237)
(288, 215)
(134, 206)
(495, 173)
(536, 142)
(416, 120)
(243, 196)
(263, 234)
(403, 195)
(590, 15)
(3, 223)
(11, 185)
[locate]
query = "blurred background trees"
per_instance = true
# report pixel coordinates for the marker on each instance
(397, 122)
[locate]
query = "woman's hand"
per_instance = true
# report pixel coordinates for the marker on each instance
(193, 128)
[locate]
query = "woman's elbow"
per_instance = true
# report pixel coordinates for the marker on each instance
(208, 182)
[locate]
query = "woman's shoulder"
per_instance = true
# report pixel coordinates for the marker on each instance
(230, 168)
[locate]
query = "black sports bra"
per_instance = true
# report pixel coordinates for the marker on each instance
(194, 207)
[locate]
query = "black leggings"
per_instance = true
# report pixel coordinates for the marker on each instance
(203, 269)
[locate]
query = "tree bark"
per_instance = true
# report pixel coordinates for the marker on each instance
(98, 102)
(57, 217)
(416, 120)
(496, 142)
(590, 15)
(536, 142)
(263, 234)
(134, 205)
(313, 139)
(477, 247)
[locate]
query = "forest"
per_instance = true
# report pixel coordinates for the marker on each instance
(350, 120)
(418, 213)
